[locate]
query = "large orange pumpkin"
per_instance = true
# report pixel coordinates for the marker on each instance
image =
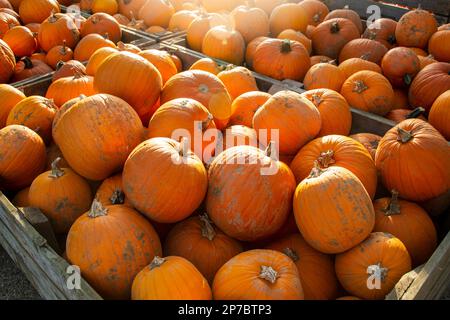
(258, 275)
(400, 65)
(225, 44)
(250, 22)
(125, 242)
(383, 31)
(89, 44)
(57, 30)
(156, 13)
(439, 46)
(162, 61)
(315, 10)
(9, 96)
(316, 270)
(402, 154)
(244, 107)
(283, 112)
(238, 80)
(7, 62)
(104, 25)
(324, 76)
(37, 10)
(333, 209)
(439, 116)
(383, 256)
(65, 89)
(288, 16)
(97, 135)
(97, 59)
(353, 65)
(21, 41)
(370, 50)
(415, 28)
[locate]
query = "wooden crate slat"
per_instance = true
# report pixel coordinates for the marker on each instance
(441, 7)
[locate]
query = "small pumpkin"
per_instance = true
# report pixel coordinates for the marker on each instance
(370, 141)
(57, 30)
(398, 115)
(415, 28)
(324, 76)
(107, 6)
(104, 25)
(315, 10)
(225, 44)
(20, 200)
(65, 89)
(181, 20)
(199, 27)
(288, 16)
(238, 80)
(156, 12)
(353, 65)
(245, 106)
(400, 65)
(58, 54)
(383, 31)
(28, 68)
(110, 192)
(321, 59)
(439, 116)
(9, 96)
(21, 41)
(370, 50)
(7, 21)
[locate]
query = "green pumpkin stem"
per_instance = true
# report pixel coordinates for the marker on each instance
(269, 274)
(407, 79)
(97, 210)
(207, 228)
(393, 206)
(417, 112)
(157, 262)
(56, 171)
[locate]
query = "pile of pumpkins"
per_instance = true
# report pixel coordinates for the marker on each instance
(302, 213)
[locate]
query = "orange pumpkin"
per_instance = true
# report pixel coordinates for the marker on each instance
(20, 200)
(400, 65)
(65, 89)
(370, 141)
(370, 50)
(97, 59)
(353, 65)
(7, 22)
(425, 61)
(68, 69)
(324, 75)
(383, 31)
(121, 19)
(21, 41)
(107, 6)
(104, 25)
(109, 128)
(89, 44)
(58, 54)
(417, 145)
(238, 80)
(268, 5)
(245, 106)
(368, 91)
(224, 44)
(288, 16)
(125, 243)
(54, 153)
(37, 10)
(7, 62)
(415, 28)
(283, 112)
(315, 10)
(28, 68)
(250, 22)
(156, 12)
(258, 275)
(296, 36)
(110, 192)
(130, 8)
(349, 14)
(199, 27)
(9, 96)
(439, 46)
(439, 116)
(23, 157)
(181, 20)
(321, 59)
(162, 61)
(57, 30)
(400, 99)
(206, 64)
(383, 255)
(398, 115)
(251, 49)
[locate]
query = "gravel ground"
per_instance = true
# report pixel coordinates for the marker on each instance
(13, 283)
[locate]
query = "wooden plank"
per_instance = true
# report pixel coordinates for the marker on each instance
(403, 284)
(46, 270)
(441, 7)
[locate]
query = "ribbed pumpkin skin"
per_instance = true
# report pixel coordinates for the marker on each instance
(97, 134)
(334, 111)
(370, 141)
(244, 107)
(400, 65)
(410, 223)
(9, 96)
(383, 31)
(37, 10)
(97, 59)
(288, 16)
(111, 192)
(296, 36)
(353, 65)
(378, 248)
(333, 210)
(316, 11)
(370, 49)
(224, 44)
(22, 154)
(349, 14)
(104, 25)
(284, 111)
(148, 190)
(439, 46)
(238, 80)
(324, 76)
(175, 279)
(89, 44)
(65, 89)
(239, 278)
(21, 41)
(203, 244)
(162, 61)
(251, 49)
(62, 199)
(57, 30)
(439, 116)
(239, 215)
(415, 28)
(401, 164)
(7, 62)
(316, 270)
(250, 22)
(344, 152)
(119, 243)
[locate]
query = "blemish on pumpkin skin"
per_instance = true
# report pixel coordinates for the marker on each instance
(128, 253)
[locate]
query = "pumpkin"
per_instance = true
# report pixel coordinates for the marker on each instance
(250, 22)
(383, 31)
(398, 115)
(239, 135)
(128, 47)
(267, 5)
(97, 59)
(9, 96)
(258, 275)
(121, 19)
(36, 113)
(170, 278)
(156, 12)
(156, 29)
(179, 168)
(63, 109)
(15, 4)
(439, 116)
(110, 192)
(23, 157)
(244, 107)
(382, 255)
(370, 50)
(131, 244)
(54, 153)
(429, 84)
(400, 65)
(181, 20)
(251, 49)
(58, 54)
(68, 69)
(162, 61)
(57, 30)
(7, 22)
(349, 14)
(238, 80)
(65, 89)
(283, 112)
(20, 200)
(109, 128)
(370, 141)
(353, 65)
(408, 222)
(239, 215)
(7, 62)
(334, 111)
(368, 91)
(40, 56)
(329, 37)
(204, 87)
(197, 30)
(89, 44)
(315, 10)
(62, 195)
(417, 145)
(400, 99)
(131, 8)
(28, 68)
(224, 44)
(425, 61)
(206, 64)
(177, 61)
(296, 36)
(439, 46)
(415, 28)
(340, 151)
(321, 59)
(281, 59)
(331, 224)
(190, 115)
(324, 75)
(104, 25)
(288, 16)
(86, 5)
(199, 241)
(316, 270)
(107, 6)
(21, 41)
(139, 82)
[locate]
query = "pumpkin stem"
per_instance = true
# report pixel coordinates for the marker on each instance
(326, 158)
(63, 50)
(335, 27)
(417, 112)
(393, 207)
(316, 17)
(106, 36)
(97, 210)
(207, 122)
(403, 135)
(27, 62)
(117, 197)
(391, 39)
(359, 87)
(365, 56)
(286, 46)
(316, 99)
(380, 271)
(207, 228)
(157, 262)
(407, 79)
(269, 149)
(52, 18)
(267, 273)
(291, 254)
(56, 171)
(316, 171)
(60, 64)
(183, 148)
